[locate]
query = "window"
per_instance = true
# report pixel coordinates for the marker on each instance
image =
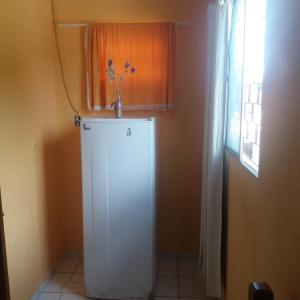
(148, 47)
(245, 78)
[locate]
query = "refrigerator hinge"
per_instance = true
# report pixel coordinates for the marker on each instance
(77, 121)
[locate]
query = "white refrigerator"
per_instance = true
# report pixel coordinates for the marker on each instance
(118, 176)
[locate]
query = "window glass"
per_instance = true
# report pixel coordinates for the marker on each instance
(235, 76)
(245, 78)
(252, 82)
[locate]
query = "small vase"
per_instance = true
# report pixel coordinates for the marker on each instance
(118, 106)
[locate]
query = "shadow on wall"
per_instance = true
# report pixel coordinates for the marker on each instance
(70, 190)
(51, 217)
(69, 196)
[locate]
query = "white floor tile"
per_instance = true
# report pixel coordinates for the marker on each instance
(167, 267)
(50, 296)
(72, 287)
(77, 277)
(62, 277)
(166, 287)
(53, 287)
(188, 267)
(56, 283)
(191, 287)
(68, 266)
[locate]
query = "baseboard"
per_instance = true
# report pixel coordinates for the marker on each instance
(67, 255)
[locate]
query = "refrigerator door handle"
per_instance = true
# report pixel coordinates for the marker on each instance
(129, 133)
(86, 127)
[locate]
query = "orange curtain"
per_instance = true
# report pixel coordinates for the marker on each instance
(149, 48)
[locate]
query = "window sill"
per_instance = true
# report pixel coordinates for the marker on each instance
(249, 170)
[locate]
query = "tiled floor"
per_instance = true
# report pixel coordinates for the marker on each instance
(66, 283)
(176, 278)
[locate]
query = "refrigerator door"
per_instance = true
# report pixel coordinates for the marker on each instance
(118, 191)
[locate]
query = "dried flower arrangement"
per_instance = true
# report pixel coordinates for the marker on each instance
(115, 78)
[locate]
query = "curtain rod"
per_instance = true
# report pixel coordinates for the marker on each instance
(85, 24)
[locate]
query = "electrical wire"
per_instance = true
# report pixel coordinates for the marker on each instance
(62, 73)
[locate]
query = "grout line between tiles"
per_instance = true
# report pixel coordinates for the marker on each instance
(75, 270)
(73, 273)
(63, 284)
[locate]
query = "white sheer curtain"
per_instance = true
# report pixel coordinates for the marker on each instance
(214, 123)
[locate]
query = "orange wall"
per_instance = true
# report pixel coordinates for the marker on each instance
(264, 213)
(27, 153)
(179, 132)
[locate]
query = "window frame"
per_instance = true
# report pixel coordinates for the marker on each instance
(228, 148)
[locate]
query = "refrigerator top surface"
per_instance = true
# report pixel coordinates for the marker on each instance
(115, 120)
